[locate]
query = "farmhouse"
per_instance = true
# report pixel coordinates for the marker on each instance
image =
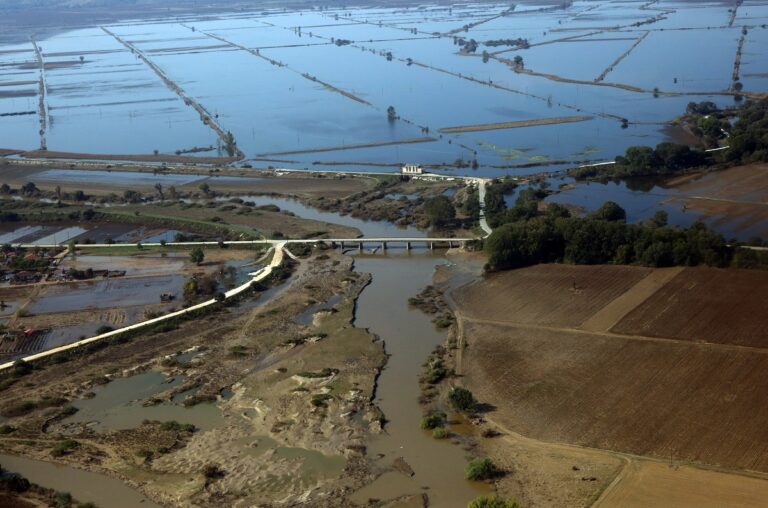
(411, 169)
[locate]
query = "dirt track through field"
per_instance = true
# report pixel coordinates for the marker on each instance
(612, 313)
(514, 125)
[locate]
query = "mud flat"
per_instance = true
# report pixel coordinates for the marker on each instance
(735, 198)
(598, 361)
(514, 125)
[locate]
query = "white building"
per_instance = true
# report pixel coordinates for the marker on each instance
(411, 169)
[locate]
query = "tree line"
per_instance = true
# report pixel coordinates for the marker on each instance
(528, 234)
(747, 140)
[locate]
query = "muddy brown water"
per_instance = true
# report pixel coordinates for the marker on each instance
(84, 485)
(409, 337)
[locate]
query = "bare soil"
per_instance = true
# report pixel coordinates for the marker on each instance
(651, 386)
(724, 306)
(555, 295)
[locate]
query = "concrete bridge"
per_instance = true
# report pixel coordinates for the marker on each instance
(343, 243)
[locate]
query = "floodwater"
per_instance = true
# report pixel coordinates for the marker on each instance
(118, 405)
(323, 80)
(369, 228)
(85, 486)
(103, 294)
(409, 337)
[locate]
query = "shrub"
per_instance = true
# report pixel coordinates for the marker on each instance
(480, 469)
(492, 502)
(462, 399)
(440, 433)
(434, 420)
(175, 426)
(64, 447)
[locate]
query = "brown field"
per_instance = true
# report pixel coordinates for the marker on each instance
(514, 125)
(657, 398)
(545, 294)
(656, 484)
(619, 366)
(705, 304)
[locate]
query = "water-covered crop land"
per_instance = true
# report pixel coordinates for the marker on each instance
(501, 88)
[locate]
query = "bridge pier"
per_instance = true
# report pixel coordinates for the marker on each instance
(383, 245)
(431, 245)
(360, 246)
(407, 245)
(342, 245)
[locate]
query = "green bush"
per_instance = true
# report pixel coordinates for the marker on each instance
(440, 433)
(433, 420)
(64, 447)
(480, 469)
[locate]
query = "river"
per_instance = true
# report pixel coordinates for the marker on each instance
(409, 337)
(85, 486)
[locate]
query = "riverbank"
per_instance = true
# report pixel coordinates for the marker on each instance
(278, 378)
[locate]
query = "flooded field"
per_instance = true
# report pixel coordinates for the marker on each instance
(326, 78)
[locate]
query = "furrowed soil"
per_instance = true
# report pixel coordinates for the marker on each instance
(722, 306)
(563, 295)
(640, 367)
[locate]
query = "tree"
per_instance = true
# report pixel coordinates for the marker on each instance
(229, 144)
(609, 211)
(29, 189)
(197, 255)
(391, 114)
(480, 469)
(471, 206)
(439, 210)
(519, 63)
(220, 297)
(462, 399)
(159, 189)
(205, 188)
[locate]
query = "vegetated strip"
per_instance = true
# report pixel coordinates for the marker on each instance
(205, 116)
(737, 60)
(48, 154)
(570, 38)
(120, 103)
(621, 57)
(19, 113)
(262, 274)
(732, 18)
(18, 83)
(305, 75)
(514, 125)
(41, 93)
(484, 20)
(352, 147)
